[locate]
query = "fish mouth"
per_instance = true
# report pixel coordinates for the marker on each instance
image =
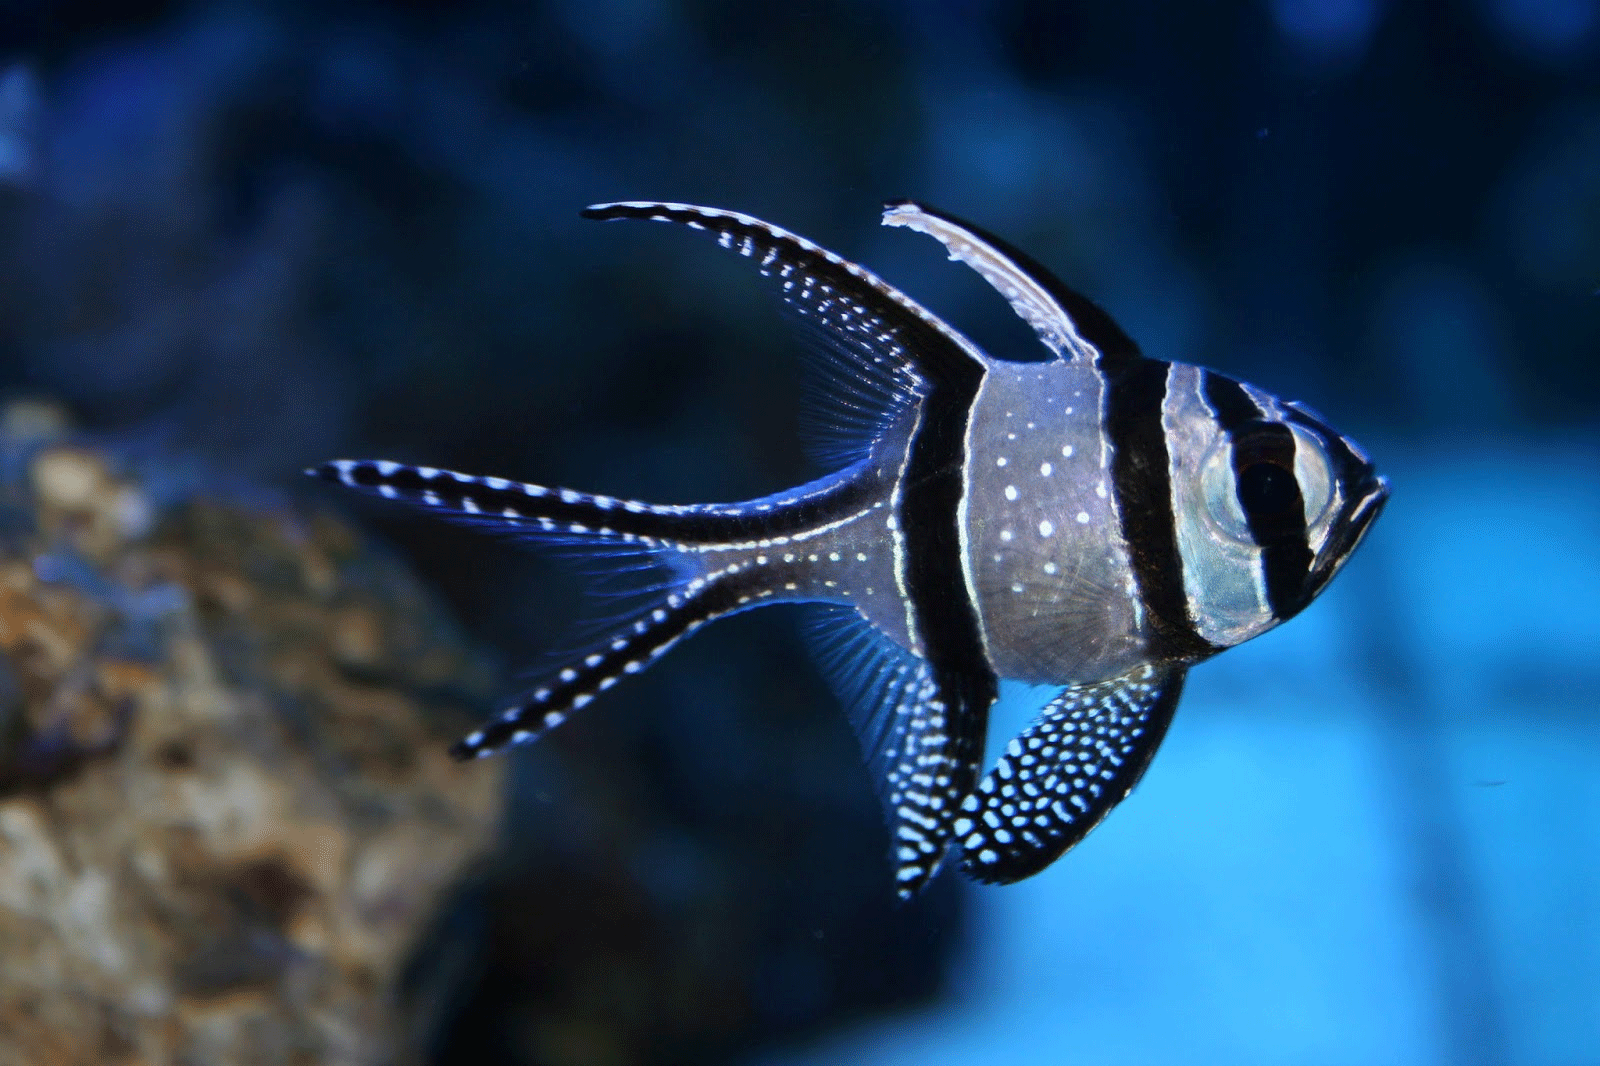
(1366, 503)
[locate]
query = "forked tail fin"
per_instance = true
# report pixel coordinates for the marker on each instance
(628, 650)
(698, 584)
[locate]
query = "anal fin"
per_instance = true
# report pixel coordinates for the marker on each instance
(1055, 782)
(922, 750)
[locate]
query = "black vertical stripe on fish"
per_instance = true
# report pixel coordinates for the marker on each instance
(556, 512)
(629, 651)
(946, 618)
(1259, 448)
(879, 322)
(1141, 483)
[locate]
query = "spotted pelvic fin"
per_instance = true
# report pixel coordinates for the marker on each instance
(1056, 781)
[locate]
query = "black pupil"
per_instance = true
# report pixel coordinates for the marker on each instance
(1267, 489)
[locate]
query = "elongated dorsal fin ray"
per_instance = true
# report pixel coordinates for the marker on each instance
(1067, 322)
(921, 746)
(1055, 782)
(870, 331)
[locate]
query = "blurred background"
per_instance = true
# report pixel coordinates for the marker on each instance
(236, 238)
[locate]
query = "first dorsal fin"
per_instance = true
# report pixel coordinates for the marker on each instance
(1067, 322)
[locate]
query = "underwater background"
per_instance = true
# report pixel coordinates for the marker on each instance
(237, 238)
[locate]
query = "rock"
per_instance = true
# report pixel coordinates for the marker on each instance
(226, 812)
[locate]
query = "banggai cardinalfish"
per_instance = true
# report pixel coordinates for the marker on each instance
(1097, 522)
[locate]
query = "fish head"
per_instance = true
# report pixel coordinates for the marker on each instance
(1356, 495)
(1270, 502)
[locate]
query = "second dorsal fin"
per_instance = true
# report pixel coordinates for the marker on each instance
(879, 350)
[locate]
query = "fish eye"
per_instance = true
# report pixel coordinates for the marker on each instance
(1267, 490)
(1255, 481)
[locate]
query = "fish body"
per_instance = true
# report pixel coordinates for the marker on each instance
(1098, 522)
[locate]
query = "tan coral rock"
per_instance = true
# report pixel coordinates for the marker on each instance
(226, 814)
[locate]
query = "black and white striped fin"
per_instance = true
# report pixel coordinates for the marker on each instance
(880, 345)
(1068, 323)
(628, 650)
(1057, 780)
(559, 514)
(944, 613)
(893, 706)
(919, 759)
